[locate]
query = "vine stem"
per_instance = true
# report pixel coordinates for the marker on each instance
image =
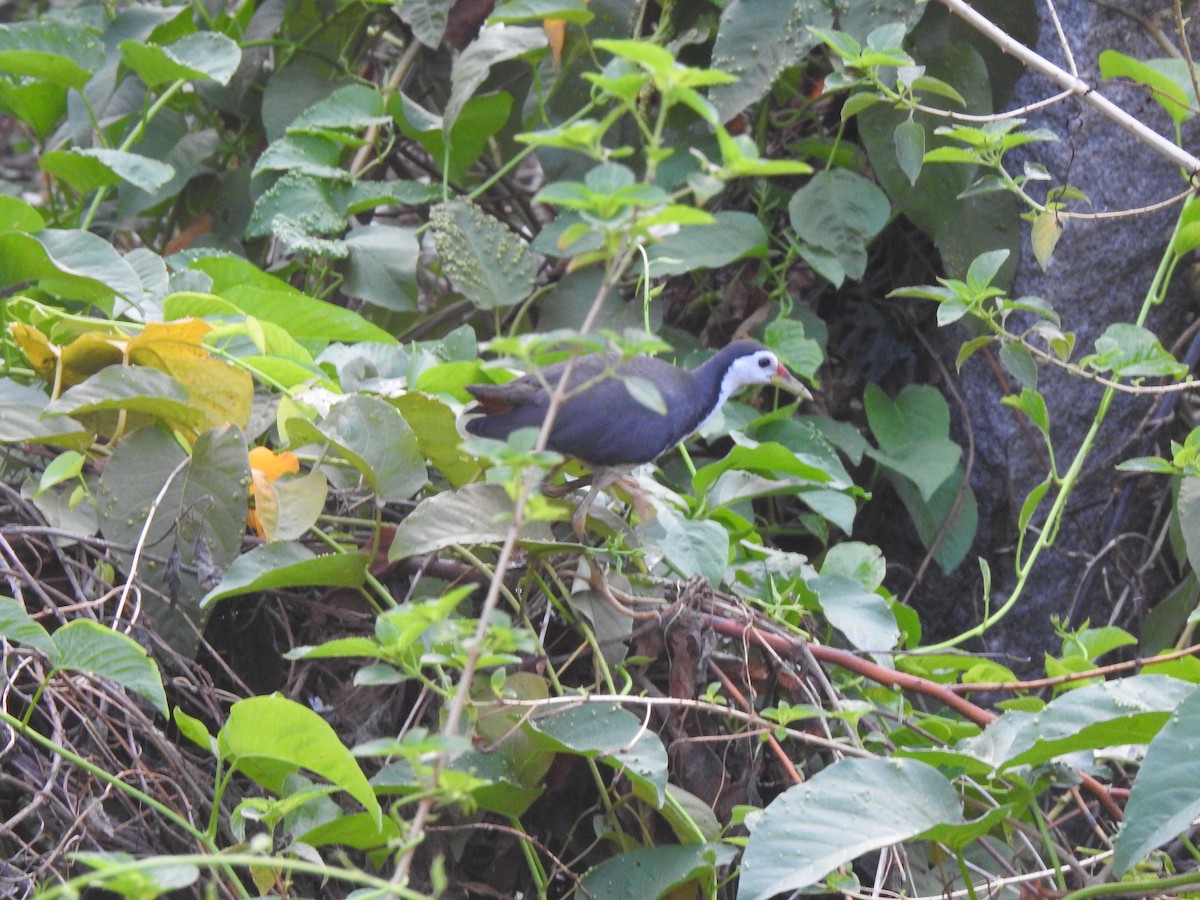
(132, 138)
(1074, 84)
(1066, 486)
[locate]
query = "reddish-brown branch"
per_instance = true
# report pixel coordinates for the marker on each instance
(789, 648)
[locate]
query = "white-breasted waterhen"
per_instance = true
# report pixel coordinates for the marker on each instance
(601, 422)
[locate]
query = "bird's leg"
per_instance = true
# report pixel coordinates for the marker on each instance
(641, 502)
(550, 489)
(579, 519)
(601, 479)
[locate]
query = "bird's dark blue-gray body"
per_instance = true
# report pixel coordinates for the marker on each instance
(602, 424)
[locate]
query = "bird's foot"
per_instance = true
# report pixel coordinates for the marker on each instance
(603, 479)
(550, 489)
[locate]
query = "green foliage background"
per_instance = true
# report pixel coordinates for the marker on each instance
(275, 628)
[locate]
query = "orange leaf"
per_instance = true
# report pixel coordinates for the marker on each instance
(556, 35)
(265, 467)
(271, 464)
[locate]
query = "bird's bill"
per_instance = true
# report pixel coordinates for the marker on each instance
(785, 380)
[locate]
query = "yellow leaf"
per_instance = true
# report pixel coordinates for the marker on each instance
(263, 516)
(225, 393)
(1047, 229)
(88, 354)
(265, 467)
(160, 341)
(37, 349)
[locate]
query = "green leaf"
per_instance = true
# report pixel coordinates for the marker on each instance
(202, 511)
(39, 104)
(362, 196)
(913, 434)
(133, 388)
(255, 293)
(650, 56)
(1169, 83)
(18, 626)
(298, 502)
(294, 207)
(273, 566)
(732, 236)
(1187, 238)
(929, 517)
(953, 155)
(310, 155)
(62, 468)
(495, 44)
(481, 117)
(145, 883)
(836, 215)
(613, 734)
(756, 41)
(269, 738)
(984, 268)
(72, 264)
(773, 460)
(486, 261)
(646, 393)
(29, 423)
(1132, 351)
(690, 546)
(475, 514)
(427, 19)
(50, 51)
(374, 439)
(1187, 509)
(1017, 359)
(655, 871)
(910, 148)
(87, 169)
(862, 563)
(844, 811)
(969, 348)
(573, 11)
(844, 45)
(790, 340)
(929, 85)
(1125, 711)
(202, 55)
(1149, 465)
(17, 215)
(349, 109)
(194, 730)
(1166, 794)
(382, 266)
(863, 616)
(857, 102)
(434, 424)
(1033, 404)
(87, 646)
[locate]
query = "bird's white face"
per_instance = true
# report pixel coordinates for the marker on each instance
(760, 367)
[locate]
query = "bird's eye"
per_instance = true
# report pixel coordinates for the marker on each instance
(764, 363)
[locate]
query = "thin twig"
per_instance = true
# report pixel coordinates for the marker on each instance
(1067, 81)
(1062, 39)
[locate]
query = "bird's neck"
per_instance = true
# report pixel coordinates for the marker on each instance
(716, 383)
